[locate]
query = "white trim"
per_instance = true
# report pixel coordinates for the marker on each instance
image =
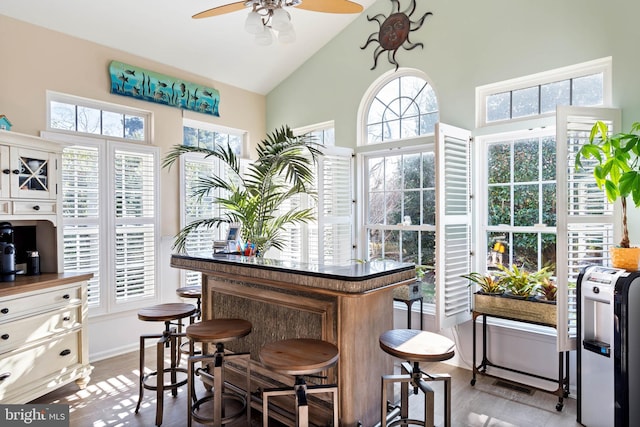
(602, 65)
(52, 96)
(372, 92)
(313, 128)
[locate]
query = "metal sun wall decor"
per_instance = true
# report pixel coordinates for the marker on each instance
(128, 80)
(394, 32)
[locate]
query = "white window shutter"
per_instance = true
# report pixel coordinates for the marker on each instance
(453, 225)
(81, 207)
(200, 240)
(134, 189)
(329, 239)
(335, 207)
(585, 232)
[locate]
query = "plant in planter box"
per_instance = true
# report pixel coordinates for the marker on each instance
(547, 289)
(488, 284)
(618, 173)
(519, 282)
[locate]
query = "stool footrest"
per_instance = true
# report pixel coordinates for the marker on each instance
(225, 397)
(168, 386)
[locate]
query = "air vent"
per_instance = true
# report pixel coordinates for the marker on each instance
(514, 387)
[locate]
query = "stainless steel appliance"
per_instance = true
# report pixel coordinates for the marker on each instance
(608, 357)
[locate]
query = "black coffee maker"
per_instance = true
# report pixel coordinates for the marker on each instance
(7, 253)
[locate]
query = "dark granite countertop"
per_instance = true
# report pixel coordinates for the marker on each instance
(353, 271)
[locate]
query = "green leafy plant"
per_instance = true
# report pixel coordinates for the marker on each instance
(256, 199)
(618, 168)
(488, 284)
(520, 282)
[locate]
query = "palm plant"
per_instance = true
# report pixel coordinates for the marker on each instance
(256, 199)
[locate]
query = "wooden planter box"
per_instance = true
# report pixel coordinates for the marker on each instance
(517, 309)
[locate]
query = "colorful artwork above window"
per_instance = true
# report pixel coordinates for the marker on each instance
(128, 80)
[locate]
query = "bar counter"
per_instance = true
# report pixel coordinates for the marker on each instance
(348, 305)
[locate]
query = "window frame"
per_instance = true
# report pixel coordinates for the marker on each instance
(602, 65)
(106, 148)
(147, 117)
(487, 131)
(365, 151)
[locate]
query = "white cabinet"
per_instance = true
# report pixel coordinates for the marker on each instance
(29, 178)
(43, 336)
(33, 173)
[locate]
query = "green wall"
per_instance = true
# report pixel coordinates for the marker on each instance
(466, 44)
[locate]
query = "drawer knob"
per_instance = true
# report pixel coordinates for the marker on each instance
(5, 376)
(66, 318)
(5, 336)
(4, 311)
(36, 208)
(6, 171)
(66, 296)
(65, 352)
(16, 172)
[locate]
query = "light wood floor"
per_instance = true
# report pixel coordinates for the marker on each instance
(111, 396)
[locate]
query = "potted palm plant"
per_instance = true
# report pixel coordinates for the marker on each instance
(258, 198)
(617, 172)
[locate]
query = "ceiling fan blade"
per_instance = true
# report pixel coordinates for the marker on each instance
(220, 10)
(330, 6)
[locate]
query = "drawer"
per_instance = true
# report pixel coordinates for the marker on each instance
(21, 305)
(34, 207)
(19, 368)
(31, 329)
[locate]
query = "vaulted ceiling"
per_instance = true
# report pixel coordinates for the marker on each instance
(217, 48)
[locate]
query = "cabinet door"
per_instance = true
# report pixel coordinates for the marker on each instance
(33, 173)
(5, 172)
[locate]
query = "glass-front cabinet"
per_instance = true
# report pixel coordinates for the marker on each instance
(31, 173)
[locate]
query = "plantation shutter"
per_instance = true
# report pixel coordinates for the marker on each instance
(329, 239)
(200, 240)
(453, 225)
(81, 207)
(586, 231)
(134, 192)
(335, 207)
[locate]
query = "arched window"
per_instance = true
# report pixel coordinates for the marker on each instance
(398, 215)
(400, 107)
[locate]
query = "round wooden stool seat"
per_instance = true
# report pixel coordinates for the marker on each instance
(218, 330)
(299, 356)
(190, 292)
(166, 312)
(417, 346)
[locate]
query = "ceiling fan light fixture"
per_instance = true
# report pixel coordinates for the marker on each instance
(253, 24)
(264, 38)
(280, 20)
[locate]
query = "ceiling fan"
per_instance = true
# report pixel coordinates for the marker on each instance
(327, 6)
(268, 15)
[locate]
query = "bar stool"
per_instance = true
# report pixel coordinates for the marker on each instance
(299, 357)
(167, 339)
(416, 346)
(216, 331)
(187, 292)
(192, 292)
